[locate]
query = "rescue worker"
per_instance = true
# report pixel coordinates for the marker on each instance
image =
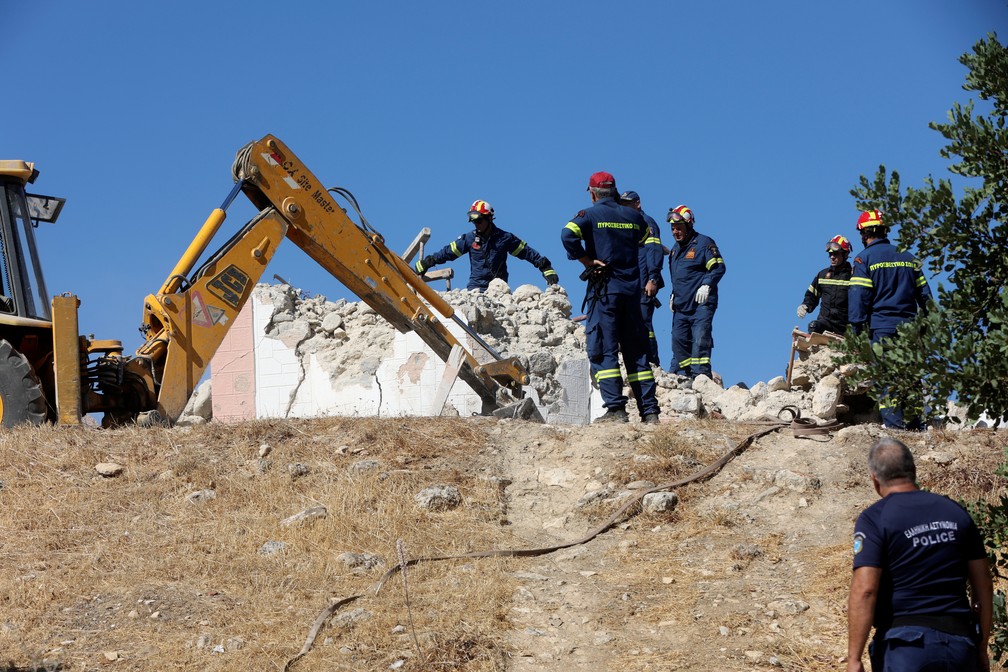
(887, 288)
(695, 268)
(831, 284)
(650, 258)
(488, 248)
(605, 239)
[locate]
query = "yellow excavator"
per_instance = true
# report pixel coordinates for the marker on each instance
(49, 372)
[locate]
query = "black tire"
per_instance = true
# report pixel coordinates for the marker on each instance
(21, 397)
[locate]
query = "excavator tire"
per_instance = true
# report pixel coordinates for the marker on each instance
(21, 398)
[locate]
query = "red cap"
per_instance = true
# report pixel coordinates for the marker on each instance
(601, 179)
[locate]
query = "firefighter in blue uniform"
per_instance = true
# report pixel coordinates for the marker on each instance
(605, 239)
(650, 258)
(887, 289)
(488, 248)
(830, 285)
(695, 268)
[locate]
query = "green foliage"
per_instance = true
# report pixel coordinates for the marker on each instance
(959, 347)
(992, 519)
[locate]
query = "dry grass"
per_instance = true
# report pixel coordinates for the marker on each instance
(128, 567)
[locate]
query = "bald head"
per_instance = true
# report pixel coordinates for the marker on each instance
(891, 462)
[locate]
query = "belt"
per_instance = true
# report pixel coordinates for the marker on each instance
(954, 625)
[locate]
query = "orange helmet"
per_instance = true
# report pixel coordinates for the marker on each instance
(480, 209)
(838, 243)
(680, 213)
(870, 219)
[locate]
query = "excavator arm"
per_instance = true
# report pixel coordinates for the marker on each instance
(188, 318)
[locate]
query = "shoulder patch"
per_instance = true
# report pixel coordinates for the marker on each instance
(858, 542)
(712, 248)
(857, 260)
(581, 213)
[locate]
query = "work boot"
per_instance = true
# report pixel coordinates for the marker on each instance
(612, 415)
(651, 419)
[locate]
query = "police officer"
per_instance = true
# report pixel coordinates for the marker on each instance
(488, 248)
(605, 239)
(695, 268)
(887, 288)
(914, 553)
(831, 284)
(650, 258)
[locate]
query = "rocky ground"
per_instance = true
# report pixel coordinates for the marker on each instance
(190, 554)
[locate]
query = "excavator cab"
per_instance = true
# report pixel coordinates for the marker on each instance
(22, 286)
(25, 315)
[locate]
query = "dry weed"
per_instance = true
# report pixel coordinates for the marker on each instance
(128, 569)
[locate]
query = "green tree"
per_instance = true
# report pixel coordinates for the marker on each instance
(959, 348)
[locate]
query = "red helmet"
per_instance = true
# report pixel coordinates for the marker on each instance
(838, 243)
(480, 209)
(680, 213)
(870, 219)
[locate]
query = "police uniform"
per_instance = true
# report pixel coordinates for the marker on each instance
(650, 258)
(886, 289)
(488, 256)
(830, 286)
(694, 262)
(922, 542)
(612, 233)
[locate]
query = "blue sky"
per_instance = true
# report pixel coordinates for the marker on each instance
(758, 115)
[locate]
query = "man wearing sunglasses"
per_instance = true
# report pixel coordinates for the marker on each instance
(488, 248)
(830, 285)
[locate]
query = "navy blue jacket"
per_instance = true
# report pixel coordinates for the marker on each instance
(612, 233)
(488, 257)
(887, 286)
(833, 285)
(651, 257)
(694, 262)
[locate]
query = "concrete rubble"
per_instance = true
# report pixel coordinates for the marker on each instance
(349, 341)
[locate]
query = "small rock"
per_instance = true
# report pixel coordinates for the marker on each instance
(271, 547)
(265, 449)
(314, 513)
(364, 466)
(156, 615)
(201, 496)
(660, 502)
(397, 664)
(297, 470)
(439, 498)
(109, 469)
(724, 631)
(360, 561)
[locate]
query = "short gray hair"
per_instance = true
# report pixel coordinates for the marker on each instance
(890, 460)
(604, 192)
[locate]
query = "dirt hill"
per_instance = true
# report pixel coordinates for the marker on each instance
(186, 556)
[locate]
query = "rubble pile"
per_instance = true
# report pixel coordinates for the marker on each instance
(349, 340)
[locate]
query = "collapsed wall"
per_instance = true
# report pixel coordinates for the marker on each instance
(318, 357)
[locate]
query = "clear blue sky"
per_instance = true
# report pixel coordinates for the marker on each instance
(758, 115)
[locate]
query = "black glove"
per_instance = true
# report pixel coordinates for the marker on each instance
(551, 276)
(424, 264)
